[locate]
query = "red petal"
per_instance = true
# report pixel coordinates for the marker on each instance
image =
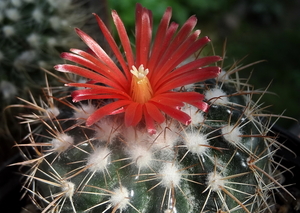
(152, 65)
(96, 97)
(143, 34)
(154, 112)
(187, 97)
(124, 38)
(187, 68)
(99, 68)
(97, 62)
(96, 89)
(133, 114)
(109, 38)
(202, 106)
(160, 37)
(173, 102)
(180, 37)
(174, 113)
(117, 111)
(189, 78)
(106, 110)
(95, 47)
(197, 45)
(85, 73)
(149, 122)
(168, 64)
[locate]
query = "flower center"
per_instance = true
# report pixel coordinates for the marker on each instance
(141, 90)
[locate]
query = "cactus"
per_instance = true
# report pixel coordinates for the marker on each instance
(151, 133)
(33, 33)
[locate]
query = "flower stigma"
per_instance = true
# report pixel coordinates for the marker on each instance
(141, 90)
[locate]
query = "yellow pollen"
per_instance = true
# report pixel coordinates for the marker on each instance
(141, 90)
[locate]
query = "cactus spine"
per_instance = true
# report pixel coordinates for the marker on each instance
(212, 154)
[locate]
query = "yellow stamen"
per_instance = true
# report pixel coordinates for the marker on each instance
(141, 90)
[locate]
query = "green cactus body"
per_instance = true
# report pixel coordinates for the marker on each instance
(220, 163)
(142, 141)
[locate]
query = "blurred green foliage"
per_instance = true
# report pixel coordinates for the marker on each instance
(259, 29)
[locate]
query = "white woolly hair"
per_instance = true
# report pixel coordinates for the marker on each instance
(195, 114)
(55, 22)
(68, 188)
(217, 96)
(62, 142)
(141, 155)
(16, 3)
(196, 143)
(138, 146)
(37, 15)
(52, 112)
(34, 39)
(188, 87)
(120, 198)
(7, 89)
(132, 136)
(170, 175)
(61, 5)
(51, 42)
(8, 30)
(84, 111)
(106, 129)
(13, 14)
(166, 136)
(99, 160)
(25, 57)
(214, 181)
(223, 76)
(232, 134)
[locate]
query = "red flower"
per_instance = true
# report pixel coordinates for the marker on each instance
(142, 88)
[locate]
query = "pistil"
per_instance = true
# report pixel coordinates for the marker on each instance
(141, 90)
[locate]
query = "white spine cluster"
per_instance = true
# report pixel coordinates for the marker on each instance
(16, 3)
(223, 76)
(60, 5)
(55, 22)
(8, 90)
(106, 130)
(170, 175)
(140, 155)
(232, 134)
(52, 112)
(68, 188)
(196, 143)
(195, 114)
(8, 31)
(51, 42)
(37, 15)
(62, 142)
(99, 160)
(215, 181)
(24, 57)
(166, 136)
(34, 39)
(217, 96)
(13, 14)
(120, 198)
(83, 112)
